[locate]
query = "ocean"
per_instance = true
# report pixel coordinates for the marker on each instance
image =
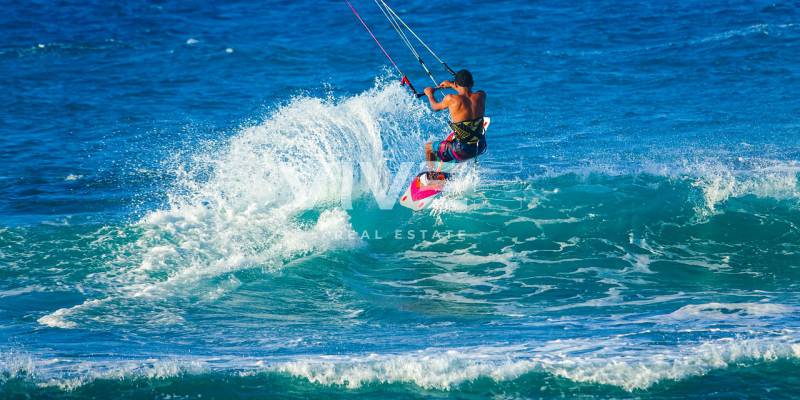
(197, 201)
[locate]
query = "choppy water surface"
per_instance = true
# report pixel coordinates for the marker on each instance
(632, 231)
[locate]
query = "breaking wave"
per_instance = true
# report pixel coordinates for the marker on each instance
(271, 193)
(618, 363)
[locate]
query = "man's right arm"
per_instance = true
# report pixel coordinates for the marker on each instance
(437, 105)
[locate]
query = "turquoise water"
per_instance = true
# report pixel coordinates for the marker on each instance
(193, 203)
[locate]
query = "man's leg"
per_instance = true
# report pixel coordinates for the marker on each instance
(429, 155)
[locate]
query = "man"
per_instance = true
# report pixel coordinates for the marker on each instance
(466, 113)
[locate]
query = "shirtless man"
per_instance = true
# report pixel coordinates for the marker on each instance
(466, 113)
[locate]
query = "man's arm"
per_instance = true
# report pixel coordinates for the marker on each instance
(436, 105)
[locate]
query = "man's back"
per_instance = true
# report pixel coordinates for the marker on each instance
(466, 106)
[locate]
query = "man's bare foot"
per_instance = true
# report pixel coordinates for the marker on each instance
(433, 176)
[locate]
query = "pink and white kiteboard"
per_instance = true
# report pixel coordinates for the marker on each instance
(424, 189)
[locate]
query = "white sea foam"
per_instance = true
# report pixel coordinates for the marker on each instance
(764, 29)
(727, 311)
(427, 369)
(608, 361)
(68, 374)
(590, 361)
(21, 290)
(631, 371)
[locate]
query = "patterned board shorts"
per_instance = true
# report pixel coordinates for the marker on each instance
(454, 150)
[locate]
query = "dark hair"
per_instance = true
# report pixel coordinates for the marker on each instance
(463, 78)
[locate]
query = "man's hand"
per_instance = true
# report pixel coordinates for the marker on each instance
(446, 84)
(429, 91)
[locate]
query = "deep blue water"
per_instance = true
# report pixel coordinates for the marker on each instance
(176, 219)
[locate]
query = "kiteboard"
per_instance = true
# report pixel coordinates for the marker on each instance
(426, 186)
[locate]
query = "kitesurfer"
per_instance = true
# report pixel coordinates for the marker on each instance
(467, 139)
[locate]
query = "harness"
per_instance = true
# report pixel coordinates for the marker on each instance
(468, 132)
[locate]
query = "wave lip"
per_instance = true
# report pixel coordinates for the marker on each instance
(639, 373)
(627, 369)
(429, 370)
